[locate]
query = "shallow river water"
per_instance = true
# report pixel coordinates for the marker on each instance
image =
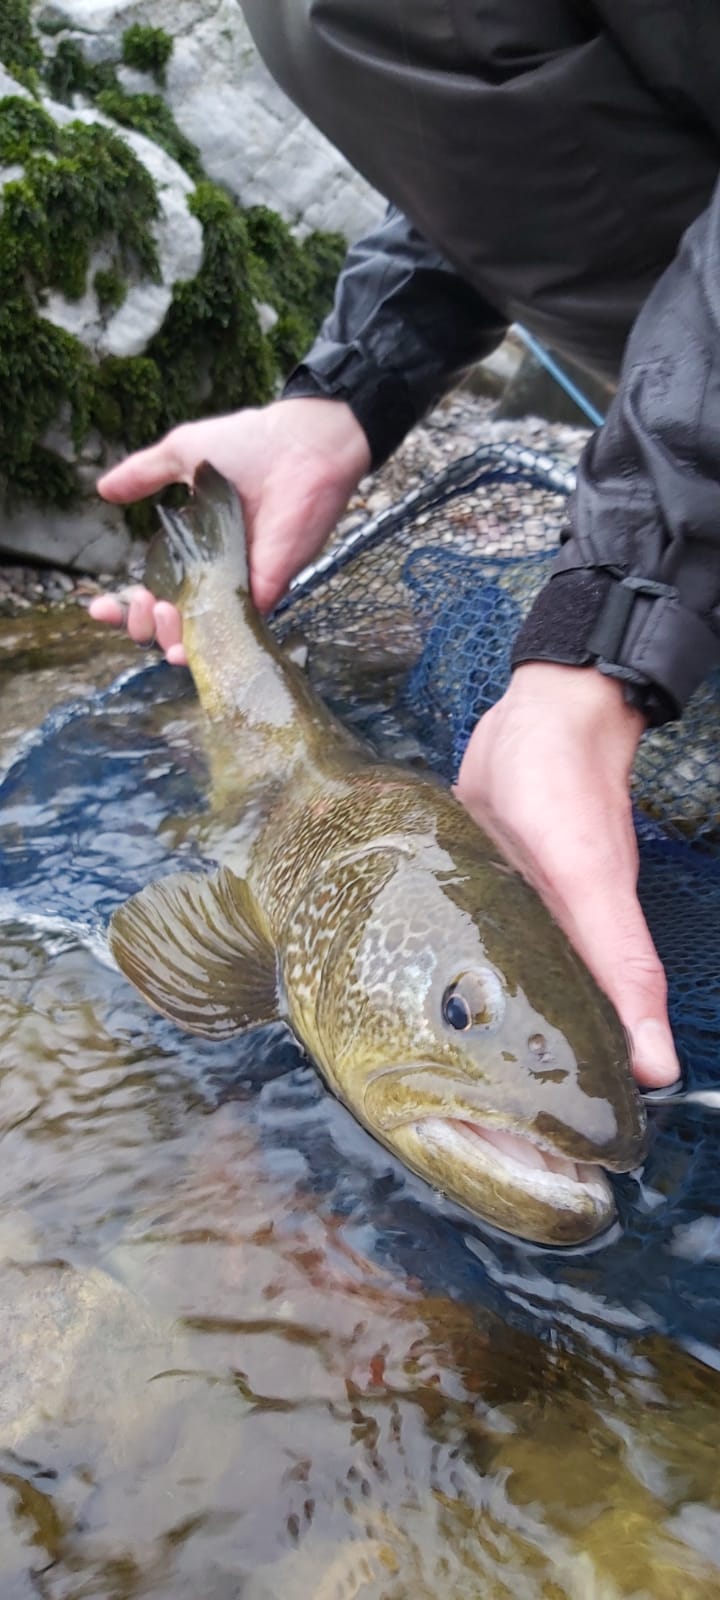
(245, 1356)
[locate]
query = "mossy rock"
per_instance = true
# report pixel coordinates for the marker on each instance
(83, 191)
(147, 49)
(20, 50)
(148, 114)
(68, 72)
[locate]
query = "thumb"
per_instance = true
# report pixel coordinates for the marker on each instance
(608, 929)
(144, 472)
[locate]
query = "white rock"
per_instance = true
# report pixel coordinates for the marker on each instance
(94, 536)
(250, 136)
(134, 82)
(267, 316)
(179, 238)
(10, 85)
(114, 16)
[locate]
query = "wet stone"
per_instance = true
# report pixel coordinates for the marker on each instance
(75, 1344)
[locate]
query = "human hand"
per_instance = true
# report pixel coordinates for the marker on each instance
(295, 464)
(546, 774)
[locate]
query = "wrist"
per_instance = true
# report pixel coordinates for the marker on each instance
(587, 703)
(334, 429)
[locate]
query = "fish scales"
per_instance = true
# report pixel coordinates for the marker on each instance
(359, 902)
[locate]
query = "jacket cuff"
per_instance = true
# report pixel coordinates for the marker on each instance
(630, 628)
(378, 398)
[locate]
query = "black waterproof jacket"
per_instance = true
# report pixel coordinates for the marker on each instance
(554, 162)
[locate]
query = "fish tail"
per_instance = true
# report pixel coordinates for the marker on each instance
(209, 532)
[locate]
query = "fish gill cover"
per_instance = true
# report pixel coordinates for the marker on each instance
(410, 624)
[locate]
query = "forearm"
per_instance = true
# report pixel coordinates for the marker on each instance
(402, 328)
(636, 589)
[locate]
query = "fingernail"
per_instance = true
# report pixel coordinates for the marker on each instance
(654, 1054)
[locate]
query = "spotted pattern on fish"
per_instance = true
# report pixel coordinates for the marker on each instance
(353, 899)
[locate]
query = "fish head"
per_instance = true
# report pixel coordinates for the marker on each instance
(460, 1026)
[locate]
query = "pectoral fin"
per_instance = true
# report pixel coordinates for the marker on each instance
(196, 949)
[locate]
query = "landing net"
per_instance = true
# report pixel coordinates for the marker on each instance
(413, 618)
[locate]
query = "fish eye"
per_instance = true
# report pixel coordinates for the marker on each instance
(474, 1000)
(456, 1010)
(537, 1043)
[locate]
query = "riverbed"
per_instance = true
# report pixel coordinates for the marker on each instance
(247, 1354)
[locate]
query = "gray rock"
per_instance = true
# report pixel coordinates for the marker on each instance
(93, 538)
(76, 1346)
(250, 138)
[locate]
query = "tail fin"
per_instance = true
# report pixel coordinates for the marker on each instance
(209, 531)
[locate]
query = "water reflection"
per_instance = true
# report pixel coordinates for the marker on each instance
(245, 1354)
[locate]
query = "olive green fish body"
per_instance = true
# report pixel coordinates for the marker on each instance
(424, 977)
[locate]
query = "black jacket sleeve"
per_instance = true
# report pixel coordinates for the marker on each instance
(403, 326)
(636, 588)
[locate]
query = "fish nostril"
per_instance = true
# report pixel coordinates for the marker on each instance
(544, 1067)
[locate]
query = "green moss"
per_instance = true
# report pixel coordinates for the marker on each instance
(20, 51)
(147, 49)
(43, 370)
(297, 279)
(45, 478)
(290, 338)
(211, 350)
(83, 188)
(24, 128)
(93, 189)
(68, 73)
(324, 253)
(127, 400)
(110, 287)
(148, 114)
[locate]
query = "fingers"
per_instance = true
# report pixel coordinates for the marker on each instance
(168, 631)
(132, 608)
(148, 621)
(107, 608)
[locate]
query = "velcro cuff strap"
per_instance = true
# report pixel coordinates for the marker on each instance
(560, 623)
(635, 629)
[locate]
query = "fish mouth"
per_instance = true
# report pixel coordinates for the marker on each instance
(530, 1167)
(508, 1179)
(514, 1175)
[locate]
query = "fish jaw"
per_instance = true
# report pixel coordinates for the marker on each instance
(537, 1177)
(595, 1135)
(508, 1179)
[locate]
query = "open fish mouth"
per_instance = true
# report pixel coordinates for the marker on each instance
(512, 1159)
(508, 1178)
